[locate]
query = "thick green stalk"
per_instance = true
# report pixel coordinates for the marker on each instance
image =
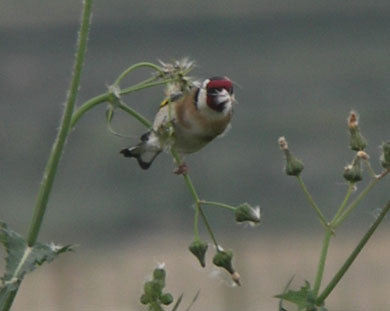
(338, 276)
(55, 156)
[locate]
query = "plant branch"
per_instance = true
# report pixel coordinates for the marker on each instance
(338, 276)
(198, 208)
(351, 186)
(321, 263)
(55, 156)
(218, 204)
(87, 106)
(352, 206)
(136, 66)
(313, 203)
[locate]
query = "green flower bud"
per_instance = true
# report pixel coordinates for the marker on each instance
(159, 275)
(223, 259)
(357, 141)
(199, 248)
(245, 212)
(153, 290)
(385, 157)
(294, 167)
(166, 299)
(353, 172)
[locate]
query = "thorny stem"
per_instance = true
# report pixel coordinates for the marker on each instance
(338, 276)
(52, 164)
(313, 203)
(58, 146)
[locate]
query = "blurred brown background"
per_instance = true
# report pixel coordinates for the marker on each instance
(300, 68)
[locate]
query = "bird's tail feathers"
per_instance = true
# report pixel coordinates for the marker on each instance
(145, 156)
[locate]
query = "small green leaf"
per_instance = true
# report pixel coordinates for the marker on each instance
(22, 259)
(177, 304)
(304, 298)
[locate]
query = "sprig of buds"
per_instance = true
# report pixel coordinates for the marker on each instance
(153, 291)
(310, 298)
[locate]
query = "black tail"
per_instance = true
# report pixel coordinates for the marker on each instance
(144, 157)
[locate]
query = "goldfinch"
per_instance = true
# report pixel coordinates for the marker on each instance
(197, 117)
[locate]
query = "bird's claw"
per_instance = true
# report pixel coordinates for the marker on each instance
(182, 169)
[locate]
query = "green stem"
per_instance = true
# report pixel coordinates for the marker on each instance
(344, 204)
(198, 208)
(337, 222)
(143, 85)
(338, 276)
(218, 204)
(313, 203)
(10, 300)
(52, 164)
(321, 263)
(89, 105)
(135, 114)
(136, 66)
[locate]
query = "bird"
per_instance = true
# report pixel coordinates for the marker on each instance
(197, 116)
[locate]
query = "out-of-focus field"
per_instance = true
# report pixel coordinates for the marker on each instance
(112, 279)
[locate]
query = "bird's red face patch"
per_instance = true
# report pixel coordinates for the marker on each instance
(218, 84)
(219, 91)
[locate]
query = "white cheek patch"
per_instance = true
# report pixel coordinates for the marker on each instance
(202, 104)
(223, 96)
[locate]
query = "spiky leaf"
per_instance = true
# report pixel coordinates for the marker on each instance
(22, 259)
(304, 298)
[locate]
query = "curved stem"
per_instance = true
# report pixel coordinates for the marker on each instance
(135, 114)
(134, 67)
(52, 164)
(143, 85)
(218, 204)
(87, 106)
